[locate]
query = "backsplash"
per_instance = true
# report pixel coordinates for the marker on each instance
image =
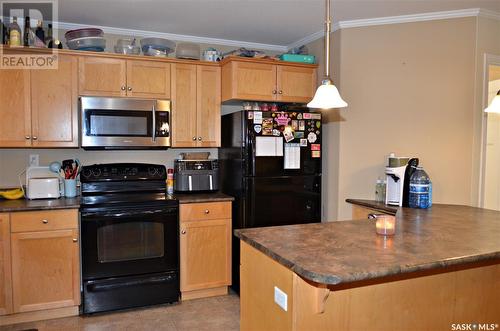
(14, 161)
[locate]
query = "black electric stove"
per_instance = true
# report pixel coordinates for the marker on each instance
(130, 237)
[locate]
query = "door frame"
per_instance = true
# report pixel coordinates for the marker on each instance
(489, 59)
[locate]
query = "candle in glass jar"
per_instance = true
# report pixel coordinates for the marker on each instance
(385, 225)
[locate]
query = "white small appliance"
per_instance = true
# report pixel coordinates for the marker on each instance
(41, 183)
(395, 185)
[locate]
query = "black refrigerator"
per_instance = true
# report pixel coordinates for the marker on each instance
(271, 164)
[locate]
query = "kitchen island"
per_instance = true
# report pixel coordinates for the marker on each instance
(441, 268)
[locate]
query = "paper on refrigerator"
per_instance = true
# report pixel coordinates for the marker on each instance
(269, 146)
(292, 156)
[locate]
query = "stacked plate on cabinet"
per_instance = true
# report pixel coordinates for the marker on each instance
(88, 39)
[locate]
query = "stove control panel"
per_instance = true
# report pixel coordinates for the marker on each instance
(123, 172)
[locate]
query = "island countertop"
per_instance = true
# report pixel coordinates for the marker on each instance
(349, 251)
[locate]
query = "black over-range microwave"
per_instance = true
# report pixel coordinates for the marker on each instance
(124, 123)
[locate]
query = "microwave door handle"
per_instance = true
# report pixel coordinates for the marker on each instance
(154, 122)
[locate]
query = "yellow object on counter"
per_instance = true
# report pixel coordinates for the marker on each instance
(13, 194)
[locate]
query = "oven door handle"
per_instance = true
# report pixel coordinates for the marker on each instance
(129, 213)
(128, 283)
(154, 122)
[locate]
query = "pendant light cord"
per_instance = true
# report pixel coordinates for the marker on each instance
(328, 28)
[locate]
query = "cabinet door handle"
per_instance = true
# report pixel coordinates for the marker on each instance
(123, 88)
(274, 91)
(75, 240)
(194, 138)
(27, 137)
(129, 88)
(280, 92)
(45, 221)
(35, 137)
(183, 231)
(207, 211)
(199, 138)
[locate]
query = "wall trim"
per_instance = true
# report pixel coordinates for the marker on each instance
(176, 37)
(431, 16)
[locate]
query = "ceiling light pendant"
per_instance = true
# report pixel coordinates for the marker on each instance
(327, 96)
(494, 105)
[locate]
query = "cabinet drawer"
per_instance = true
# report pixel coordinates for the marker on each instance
(44, 220)
(205, 211)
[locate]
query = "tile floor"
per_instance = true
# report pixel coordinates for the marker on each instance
(217, 313)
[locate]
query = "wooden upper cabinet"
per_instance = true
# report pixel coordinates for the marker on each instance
(15, 112)
(112, 77)
(148, 79)
(265, 80)
(295, 84)
(195, 105)
(184, 105)
(208, 105)
(54, 105)
(248, 81)
(5, 270)
(101, 76)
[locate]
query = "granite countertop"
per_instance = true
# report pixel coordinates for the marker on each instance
(372, 204)
(74, 203)
(203, 197)
(350, 251)
(39, 204)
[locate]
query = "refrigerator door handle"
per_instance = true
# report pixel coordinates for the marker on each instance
(211, 183)
(190, 183)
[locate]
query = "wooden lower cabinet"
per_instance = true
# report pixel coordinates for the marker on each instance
(5, 273)
(44, 265)
(205, 250)
(45, 270)
(430, 300)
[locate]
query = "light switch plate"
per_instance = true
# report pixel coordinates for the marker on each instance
(280, 298)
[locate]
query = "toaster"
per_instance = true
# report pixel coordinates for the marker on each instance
(196, 175)
(42, 184)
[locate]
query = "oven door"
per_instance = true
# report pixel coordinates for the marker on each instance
(129, 241)
(120, 123)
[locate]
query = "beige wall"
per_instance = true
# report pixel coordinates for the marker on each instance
(13, 161)
(410, 89)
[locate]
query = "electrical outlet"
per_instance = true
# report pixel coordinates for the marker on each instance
(280, 298)
(34, 160)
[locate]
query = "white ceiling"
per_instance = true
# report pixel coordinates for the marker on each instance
(275, 22)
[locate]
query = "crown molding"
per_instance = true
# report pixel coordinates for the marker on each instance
(441, 15)
(176, 37)
(489, 14)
